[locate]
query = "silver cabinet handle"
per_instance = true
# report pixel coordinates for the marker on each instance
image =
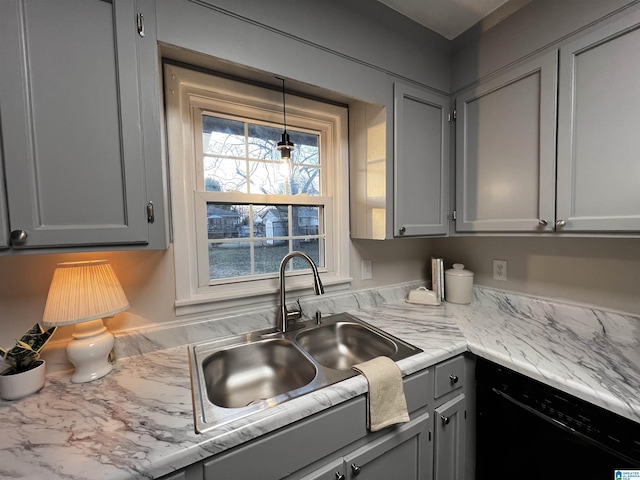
(454, 379)
(445, 420)
(19, 237)
(402, 230)
(542, 222)
(140, 24)
(355, 469)
(560, 223)
(340, 476)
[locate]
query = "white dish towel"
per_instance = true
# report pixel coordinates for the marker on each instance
(386, 403)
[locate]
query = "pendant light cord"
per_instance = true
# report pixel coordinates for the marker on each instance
(284, 105)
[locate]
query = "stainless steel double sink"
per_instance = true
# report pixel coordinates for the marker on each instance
(236, 376)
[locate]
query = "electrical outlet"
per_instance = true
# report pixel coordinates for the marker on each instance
(500, 270)
(367, 270)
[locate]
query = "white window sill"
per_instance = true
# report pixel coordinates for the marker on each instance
(232, 298)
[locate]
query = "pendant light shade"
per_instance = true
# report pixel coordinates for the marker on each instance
(285, 146)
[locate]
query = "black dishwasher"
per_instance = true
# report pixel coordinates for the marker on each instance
(528, 430)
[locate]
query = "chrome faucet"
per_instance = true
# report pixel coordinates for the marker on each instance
(284, 314)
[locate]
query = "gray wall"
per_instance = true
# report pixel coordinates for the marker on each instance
(148, 281)
(595, 271)
(530, 30)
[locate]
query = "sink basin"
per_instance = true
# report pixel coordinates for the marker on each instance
(239, 376)
(236, 376)
(342, 345)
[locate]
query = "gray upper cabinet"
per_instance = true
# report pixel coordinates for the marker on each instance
(77, 126)
(4, 220)
(505, 151)
(598, 139)
(421, 159)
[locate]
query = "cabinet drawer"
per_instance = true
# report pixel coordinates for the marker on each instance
(418, 389)
(449, 376)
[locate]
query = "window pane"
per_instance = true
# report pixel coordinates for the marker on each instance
(266, 178)
(269, 254)
(221, 136)
(263, 141)
(271, 221)
(305, 220)
(225, 175)
(229, 259)
(306, 148)
(311, 248)
(223, 221)
(305, 181)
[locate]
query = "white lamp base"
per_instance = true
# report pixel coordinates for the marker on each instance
(89, 351)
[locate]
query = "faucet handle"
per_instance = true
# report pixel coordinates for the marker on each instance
(294, 314)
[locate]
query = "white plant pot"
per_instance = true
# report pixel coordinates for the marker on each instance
(19, 385)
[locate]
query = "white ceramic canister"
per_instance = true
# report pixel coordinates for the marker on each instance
(458, 284)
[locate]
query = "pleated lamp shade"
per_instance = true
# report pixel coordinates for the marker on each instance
(83, 293)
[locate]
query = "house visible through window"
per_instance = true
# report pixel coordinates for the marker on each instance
(237, 207)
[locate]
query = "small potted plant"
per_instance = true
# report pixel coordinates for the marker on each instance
(26, 372)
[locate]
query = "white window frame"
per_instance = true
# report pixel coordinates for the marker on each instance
(187, 94)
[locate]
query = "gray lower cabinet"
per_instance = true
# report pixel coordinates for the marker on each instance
(336, 445)
(81, 123)
(421, 162)
(598, 140)
(326, 445)
(193, 472)
(449, 454)
(453, 451)
(401, 453)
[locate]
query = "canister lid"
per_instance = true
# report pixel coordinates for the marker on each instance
(459, 271)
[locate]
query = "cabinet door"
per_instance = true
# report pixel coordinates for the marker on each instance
(505, 151)
(4, 220)
(402, 453)
(71, 126)
(598, 140)
(449, 440)
(420, 162)
(333, 470)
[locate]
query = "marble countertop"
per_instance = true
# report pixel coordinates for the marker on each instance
(137, 422)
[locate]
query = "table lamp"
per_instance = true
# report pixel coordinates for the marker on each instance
(83, 293)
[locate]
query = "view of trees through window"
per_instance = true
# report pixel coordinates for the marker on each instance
(240, 157)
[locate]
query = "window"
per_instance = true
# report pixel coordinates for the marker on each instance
(238, 208)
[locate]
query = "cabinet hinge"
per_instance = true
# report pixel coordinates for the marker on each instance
(453, 115)
(429, 435)
(151, 216)
(140, 24)
(454, 215)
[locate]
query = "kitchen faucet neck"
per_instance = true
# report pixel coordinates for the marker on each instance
(284, 314)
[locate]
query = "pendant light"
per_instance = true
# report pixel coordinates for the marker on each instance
(284, 145)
